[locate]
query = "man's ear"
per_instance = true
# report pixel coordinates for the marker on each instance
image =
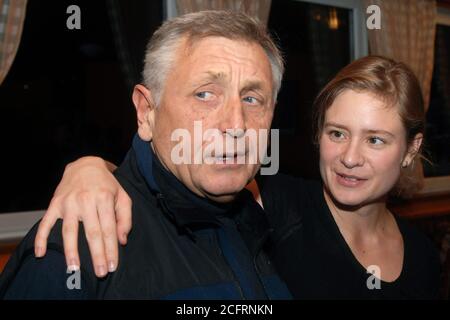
(145, 110)
(413, 149)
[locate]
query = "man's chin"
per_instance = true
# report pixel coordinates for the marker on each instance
(221, 185)
(223, 192)
(222, 198)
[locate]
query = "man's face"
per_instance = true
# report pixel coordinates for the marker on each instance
(225, 84)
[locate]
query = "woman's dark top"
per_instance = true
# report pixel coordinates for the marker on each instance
(313, 258)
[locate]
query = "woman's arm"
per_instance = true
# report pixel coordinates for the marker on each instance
(88, 192)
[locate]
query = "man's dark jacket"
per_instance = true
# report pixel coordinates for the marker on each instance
(181, 247)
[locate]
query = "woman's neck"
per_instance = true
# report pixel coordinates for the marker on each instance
(365, 221)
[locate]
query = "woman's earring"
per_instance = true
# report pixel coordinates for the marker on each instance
(405, 164)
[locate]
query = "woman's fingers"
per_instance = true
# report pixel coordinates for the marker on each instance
(94, 236)
(70, 240)
(45, 226)
(123, 215)
(107, 218)
(88, 192)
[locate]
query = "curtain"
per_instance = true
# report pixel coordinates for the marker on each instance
(256, 8)
(12, 16)
(407, 34)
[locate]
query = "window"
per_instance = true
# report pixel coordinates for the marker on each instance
(438, 116)
(318, 38)
(68, 93)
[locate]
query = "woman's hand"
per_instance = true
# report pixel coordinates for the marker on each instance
(88, 192)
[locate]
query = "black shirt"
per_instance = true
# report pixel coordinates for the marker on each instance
(315, 261)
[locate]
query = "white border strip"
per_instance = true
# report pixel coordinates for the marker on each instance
(14, 226)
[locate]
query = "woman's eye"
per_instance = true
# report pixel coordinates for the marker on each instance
(336, 135)
(204, 95)
(376, 141)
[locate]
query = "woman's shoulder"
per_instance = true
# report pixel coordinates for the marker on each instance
(423, 260)
(286, 198)
(416, 239)
(286, 185)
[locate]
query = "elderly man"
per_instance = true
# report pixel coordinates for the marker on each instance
(196, 232)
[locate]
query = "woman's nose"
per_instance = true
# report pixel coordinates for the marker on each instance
(352, 155)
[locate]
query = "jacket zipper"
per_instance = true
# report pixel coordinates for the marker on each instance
(235, 280)
(261, 243)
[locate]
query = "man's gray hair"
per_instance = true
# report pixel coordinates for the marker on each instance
(161, 49)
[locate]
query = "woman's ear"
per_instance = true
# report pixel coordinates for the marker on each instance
(413, 149)
(145, 111)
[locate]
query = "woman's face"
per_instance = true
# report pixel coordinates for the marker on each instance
(362, 148)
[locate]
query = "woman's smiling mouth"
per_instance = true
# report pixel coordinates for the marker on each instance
(351, 181)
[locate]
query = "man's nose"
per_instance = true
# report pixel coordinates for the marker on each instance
(352, 155)
(232, 117)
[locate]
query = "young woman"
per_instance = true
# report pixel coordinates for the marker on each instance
(370, 124)
(335, 239)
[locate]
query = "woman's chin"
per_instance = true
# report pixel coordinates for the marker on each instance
(348, 198)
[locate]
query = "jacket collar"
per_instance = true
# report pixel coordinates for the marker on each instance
(190, 212)
(183, 207)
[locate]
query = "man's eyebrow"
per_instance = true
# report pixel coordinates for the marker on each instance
(209, 76)
(371, 131)
(252, 85)
(214, 76)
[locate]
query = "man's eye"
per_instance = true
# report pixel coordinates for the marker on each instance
(251, 100)
(204, 95)
(376, 141)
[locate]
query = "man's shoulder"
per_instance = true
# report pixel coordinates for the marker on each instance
(41, 277)
(47, 278)
(132, 181)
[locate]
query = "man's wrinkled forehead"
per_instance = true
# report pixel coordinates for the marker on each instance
(222, 79)
(256, 68)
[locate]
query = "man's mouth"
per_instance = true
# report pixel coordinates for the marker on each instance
(230, 158)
